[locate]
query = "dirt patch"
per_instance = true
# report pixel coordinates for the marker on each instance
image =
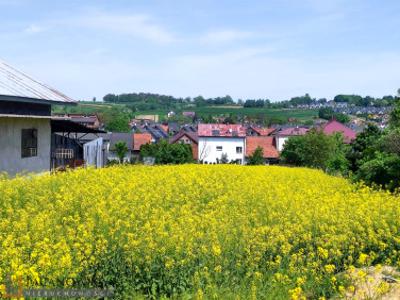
(378, 282)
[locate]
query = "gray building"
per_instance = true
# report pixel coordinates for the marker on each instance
(117, 137)
(25, 121)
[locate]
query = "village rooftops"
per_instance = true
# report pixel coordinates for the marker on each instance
(262, 131)
(16, 86)
(292, 131)
(191, 135)
(221, 130)
(140, 139)
(334, 126)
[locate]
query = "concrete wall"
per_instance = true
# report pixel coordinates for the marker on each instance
(10, 145)
(208, 148)
(112, 155)
(280, 142)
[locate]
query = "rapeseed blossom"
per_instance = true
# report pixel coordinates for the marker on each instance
(200, 230)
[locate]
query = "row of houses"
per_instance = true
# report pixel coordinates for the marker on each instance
(237, 142)
(216, 143)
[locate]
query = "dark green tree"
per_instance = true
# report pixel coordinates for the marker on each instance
(327, 113)
(165, 153)
(316, 150)
(394, 120)
(121, 149)
(383, 170)
(390, 142)
(116, 120)
(257, 157)
(363, 147)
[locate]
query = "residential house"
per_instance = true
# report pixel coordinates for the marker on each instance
(157, 131)
(217, 141)
(173, 128)
(25, 121)
(140, 139)
(283, 135)
(190, 128)
(189, 138)
(266, 143)
(334, 126)
(254, 130)
(153, 118)
(126, 138)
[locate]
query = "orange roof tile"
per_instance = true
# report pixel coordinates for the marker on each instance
(140, 139)
(263, 131)
(265, 142)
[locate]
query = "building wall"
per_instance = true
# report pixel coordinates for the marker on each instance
(280, 142)
(112, 155)
(195, 149)
(10, 145)
(208, 153)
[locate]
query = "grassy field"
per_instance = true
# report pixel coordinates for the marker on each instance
(196, 231)
(281, 114)
(276, 113)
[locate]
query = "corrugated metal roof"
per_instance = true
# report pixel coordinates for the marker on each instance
(14, 83)
(24, 116)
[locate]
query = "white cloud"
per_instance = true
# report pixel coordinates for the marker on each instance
(33, 29)
(225, 36)
(134, 25)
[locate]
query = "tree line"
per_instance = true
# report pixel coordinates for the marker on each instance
(151, 101)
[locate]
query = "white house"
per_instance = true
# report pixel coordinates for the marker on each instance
(282, 136)
(219, 141)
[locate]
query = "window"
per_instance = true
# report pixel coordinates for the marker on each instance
(219, 148)
(239, 150)
(239, 161)
(29, 140)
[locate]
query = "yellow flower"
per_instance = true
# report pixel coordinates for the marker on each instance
(218, 269)
(198, 226)
(330, 268)
(216, 250)
(362, 259)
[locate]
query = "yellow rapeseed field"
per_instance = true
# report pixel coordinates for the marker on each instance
(195, 231)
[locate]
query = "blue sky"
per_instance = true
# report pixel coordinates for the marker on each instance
(247, 49)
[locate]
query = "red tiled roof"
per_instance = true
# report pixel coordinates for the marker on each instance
(263, 131)
(265, 142)
(334, 126)
(293, 131)
(222, 130)
(140, 139)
